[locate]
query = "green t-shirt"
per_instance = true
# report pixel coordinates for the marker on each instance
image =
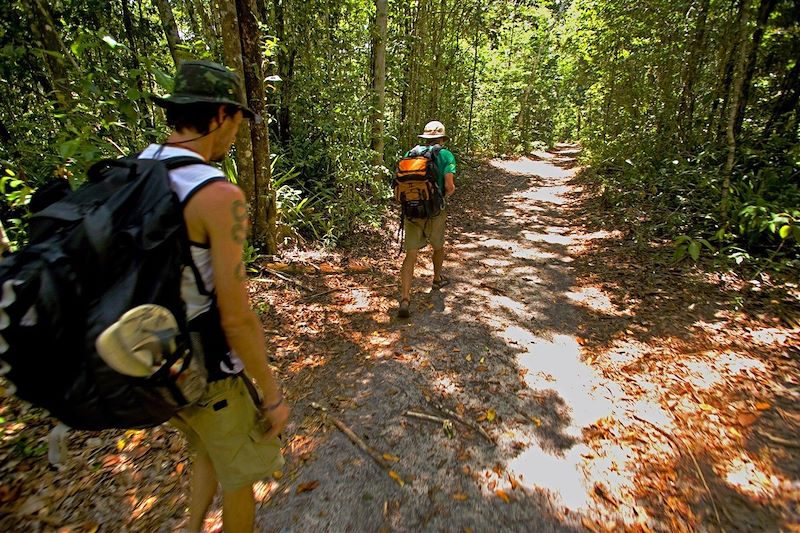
(445, 163)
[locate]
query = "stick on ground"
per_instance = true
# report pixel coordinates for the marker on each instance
(469, 423)
(360, 443)
(425, 416)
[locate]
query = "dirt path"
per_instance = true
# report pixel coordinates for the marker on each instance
(601, 373)
(621, 392)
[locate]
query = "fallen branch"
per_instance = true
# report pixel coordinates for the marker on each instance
(469, 423)
(285, 278)
(675, 442)
(777, 440)
(425, 416)
(329, 291)
(493, 288)
(360, 443)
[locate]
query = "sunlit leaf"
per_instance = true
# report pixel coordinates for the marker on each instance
(502, 495)
(395, 476)
(307, 486)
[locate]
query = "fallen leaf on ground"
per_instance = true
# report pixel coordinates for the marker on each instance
(762, 406)
(502, 495)
(395, 476)
(468, 357)
(491, 415)
(308, 486)
(537, 421)
(706, 407)
(391, 458)
(460, 497)
(482, 368)
(456, 350)
(746, 419)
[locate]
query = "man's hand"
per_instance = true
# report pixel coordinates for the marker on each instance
(276, 418)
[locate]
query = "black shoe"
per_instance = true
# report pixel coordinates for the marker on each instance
(402, 312)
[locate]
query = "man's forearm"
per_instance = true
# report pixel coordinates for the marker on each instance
(246, 339)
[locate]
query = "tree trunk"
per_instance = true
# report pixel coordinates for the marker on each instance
(264, 211)
(188, 5)
(209, 28)
(232, 47)
(696, 52)
(736, 96)
(474, 79)
(57, 58)
(787, 102)
(765, 9)
(725, 86)
(127, 21)
(285, 58)
(379, 79)
(170, 29)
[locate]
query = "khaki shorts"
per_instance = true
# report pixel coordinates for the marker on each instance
(225, 425)
(420, 232)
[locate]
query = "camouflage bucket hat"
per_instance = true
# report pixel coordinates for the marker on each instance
(204, 81)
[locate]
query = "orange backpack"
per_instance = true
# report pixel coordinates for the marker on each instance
(416, 184)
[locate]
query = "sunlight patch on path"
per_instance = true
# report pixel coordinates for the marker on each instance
(530, 167)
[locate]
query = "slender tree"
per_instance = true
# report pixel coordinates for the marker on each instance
(170, 28)
(379, 79)
(265, 209)
(232, 46)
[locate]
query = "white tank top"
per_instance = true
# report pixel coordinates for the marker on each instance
(185, 181)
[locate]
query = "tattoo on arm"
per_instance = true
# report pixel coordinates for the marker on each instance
(240, 224)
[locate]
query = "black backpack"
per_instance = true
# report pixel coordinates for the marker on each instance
(416, 184)
(116, 242)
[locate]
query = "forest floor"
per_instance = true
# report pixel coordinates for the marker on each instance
(616, 390)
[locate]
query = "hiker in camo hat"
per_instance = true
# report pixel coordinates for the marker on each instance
(233, 430)
(418, 233)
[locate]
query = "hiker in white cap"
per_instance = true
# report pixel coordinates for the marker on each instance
(418, 233)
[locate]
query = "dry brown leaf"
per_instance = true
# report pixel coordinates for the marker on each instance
(308, 486)
(482, 368)
(456, 350)
(395, 476)
(280, 267)
(537, 421)
(460, 497)
(179, 468)
(514, 483)
(502, 495)
(746, 419)
(762, 406)
(463, 456)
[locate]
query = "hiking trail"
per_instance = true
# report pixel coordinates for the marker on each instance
(622, 392)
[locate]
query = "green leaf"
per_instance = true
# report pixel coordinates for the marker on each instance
(785, 231)
(110, 41)
(679, 254)
(694, 250)
(68, 149)
(706, 244)
(163, 79)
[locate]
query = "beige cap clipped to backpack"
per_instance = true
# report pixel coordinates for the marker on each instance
(433, 130)
(137, 344)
